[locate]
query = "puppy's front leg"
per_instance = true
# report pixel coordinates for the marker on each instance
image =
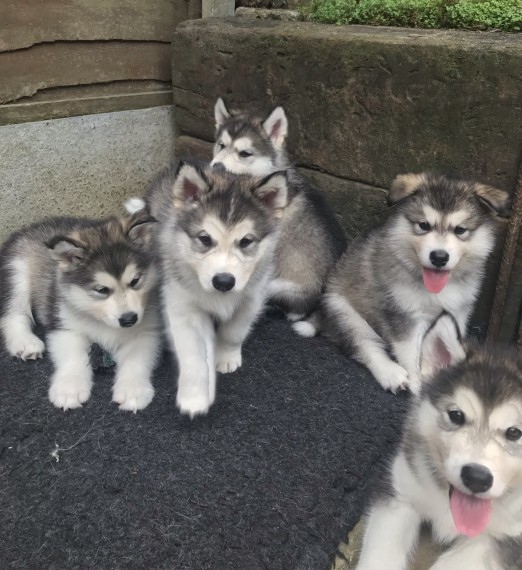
(391, 533)
(477, 553)
(133, 389)
(232, 333)
(72, 380)
(192, 337)
(408, 353)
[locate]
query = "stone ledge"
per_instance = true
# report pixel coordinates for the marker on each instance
(364, 103)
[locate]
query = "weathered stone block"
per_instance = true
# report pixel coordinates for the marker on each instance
(364, 103)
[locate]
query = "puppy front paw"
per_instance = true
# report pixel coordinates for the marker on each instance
(132, 395)
(228, 359)
(27, 347)
(68, 392)
(193, 404)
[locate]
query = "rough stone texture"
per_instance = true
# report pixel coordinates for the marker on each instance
(82, 166)
(268, 14)
(358, 205)
(364, 103)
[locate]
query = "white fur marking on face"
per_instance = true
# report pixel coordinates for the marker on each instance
(226, 139)
(506, 415)
(455, 219)
(244, 143)
(131, 271)
(105, 280)
(468, 402)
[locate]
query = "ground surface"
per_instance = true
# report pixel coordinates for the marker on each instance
(273, 478)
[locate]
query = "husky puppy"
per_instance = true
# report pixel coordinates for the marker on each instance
(428, 256)
(459, 467)
(217, 235)
(85, 282)
(311, 236)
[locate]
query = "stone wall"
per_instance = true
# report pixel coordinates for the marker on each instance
(364, 103)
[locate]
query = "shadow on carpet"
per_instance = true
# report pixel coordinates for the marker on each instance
(273, 478)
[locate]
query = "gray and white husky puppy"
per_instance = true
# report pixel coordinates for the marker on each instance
(217, 234)
(311, 235)
(459, 467)
(84, 281)
(428, 256)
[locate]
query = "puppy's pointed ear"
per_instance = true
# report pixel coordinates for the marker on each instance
(496, 199)
(68, 252)
(276, 127)
(272, 192)
(404, 185)
(139, 227)
(441, 347)
(189, 185)
(221, 113)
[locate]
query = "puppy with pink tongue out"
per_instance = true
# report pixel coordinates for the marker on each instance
(459, 466)
(428, 256)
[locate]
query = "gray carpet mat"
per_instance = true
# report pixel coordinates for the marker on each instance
(273, 478)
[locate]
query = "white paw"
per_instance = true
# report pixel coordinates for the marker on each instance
(193, 404)
(304, 328)
(132, 396)
(69, 392)
(294, 317)
(228, 359)
(393, 377)
(27, 347)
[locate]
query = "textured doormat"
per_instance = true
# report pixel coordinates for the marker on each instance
(273, 478)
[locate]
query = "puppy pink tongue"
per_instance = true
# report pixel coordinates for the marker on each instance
(470, 515)
(434, 281)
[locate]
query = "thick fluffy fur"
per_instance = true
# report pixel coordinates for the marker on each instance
(485, 385)
(376, 303)
(311, 236)
(85, 282)
(217, 236)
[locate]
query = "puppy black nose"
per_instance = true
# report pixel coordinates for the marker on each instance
(439, 257)
(218, 166)
(128, 319)
(223, 281)
(477, 478)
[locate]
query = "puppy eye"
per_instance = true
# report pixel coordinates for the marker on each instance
(221, 145)
(424, 226)
(245, 154)
(456, 417)
(245, 242)
(460, 230)
(103, 291)
(513, 434)
(205, 240)
(135, 281)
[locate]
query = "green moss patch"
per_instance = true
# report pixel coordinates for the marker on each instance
(505, 15)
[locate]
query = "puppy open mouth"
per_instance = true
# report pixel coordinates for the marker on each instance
(434, 279)
(470, 514)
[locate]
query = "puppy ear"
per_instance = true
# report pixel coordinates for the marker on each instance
(404, 185)
(496, 199)
(221, 113)
(69, 253)
(140, 227)
(272, 192)
(189, 185)
(441, 347)
(276, 127)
